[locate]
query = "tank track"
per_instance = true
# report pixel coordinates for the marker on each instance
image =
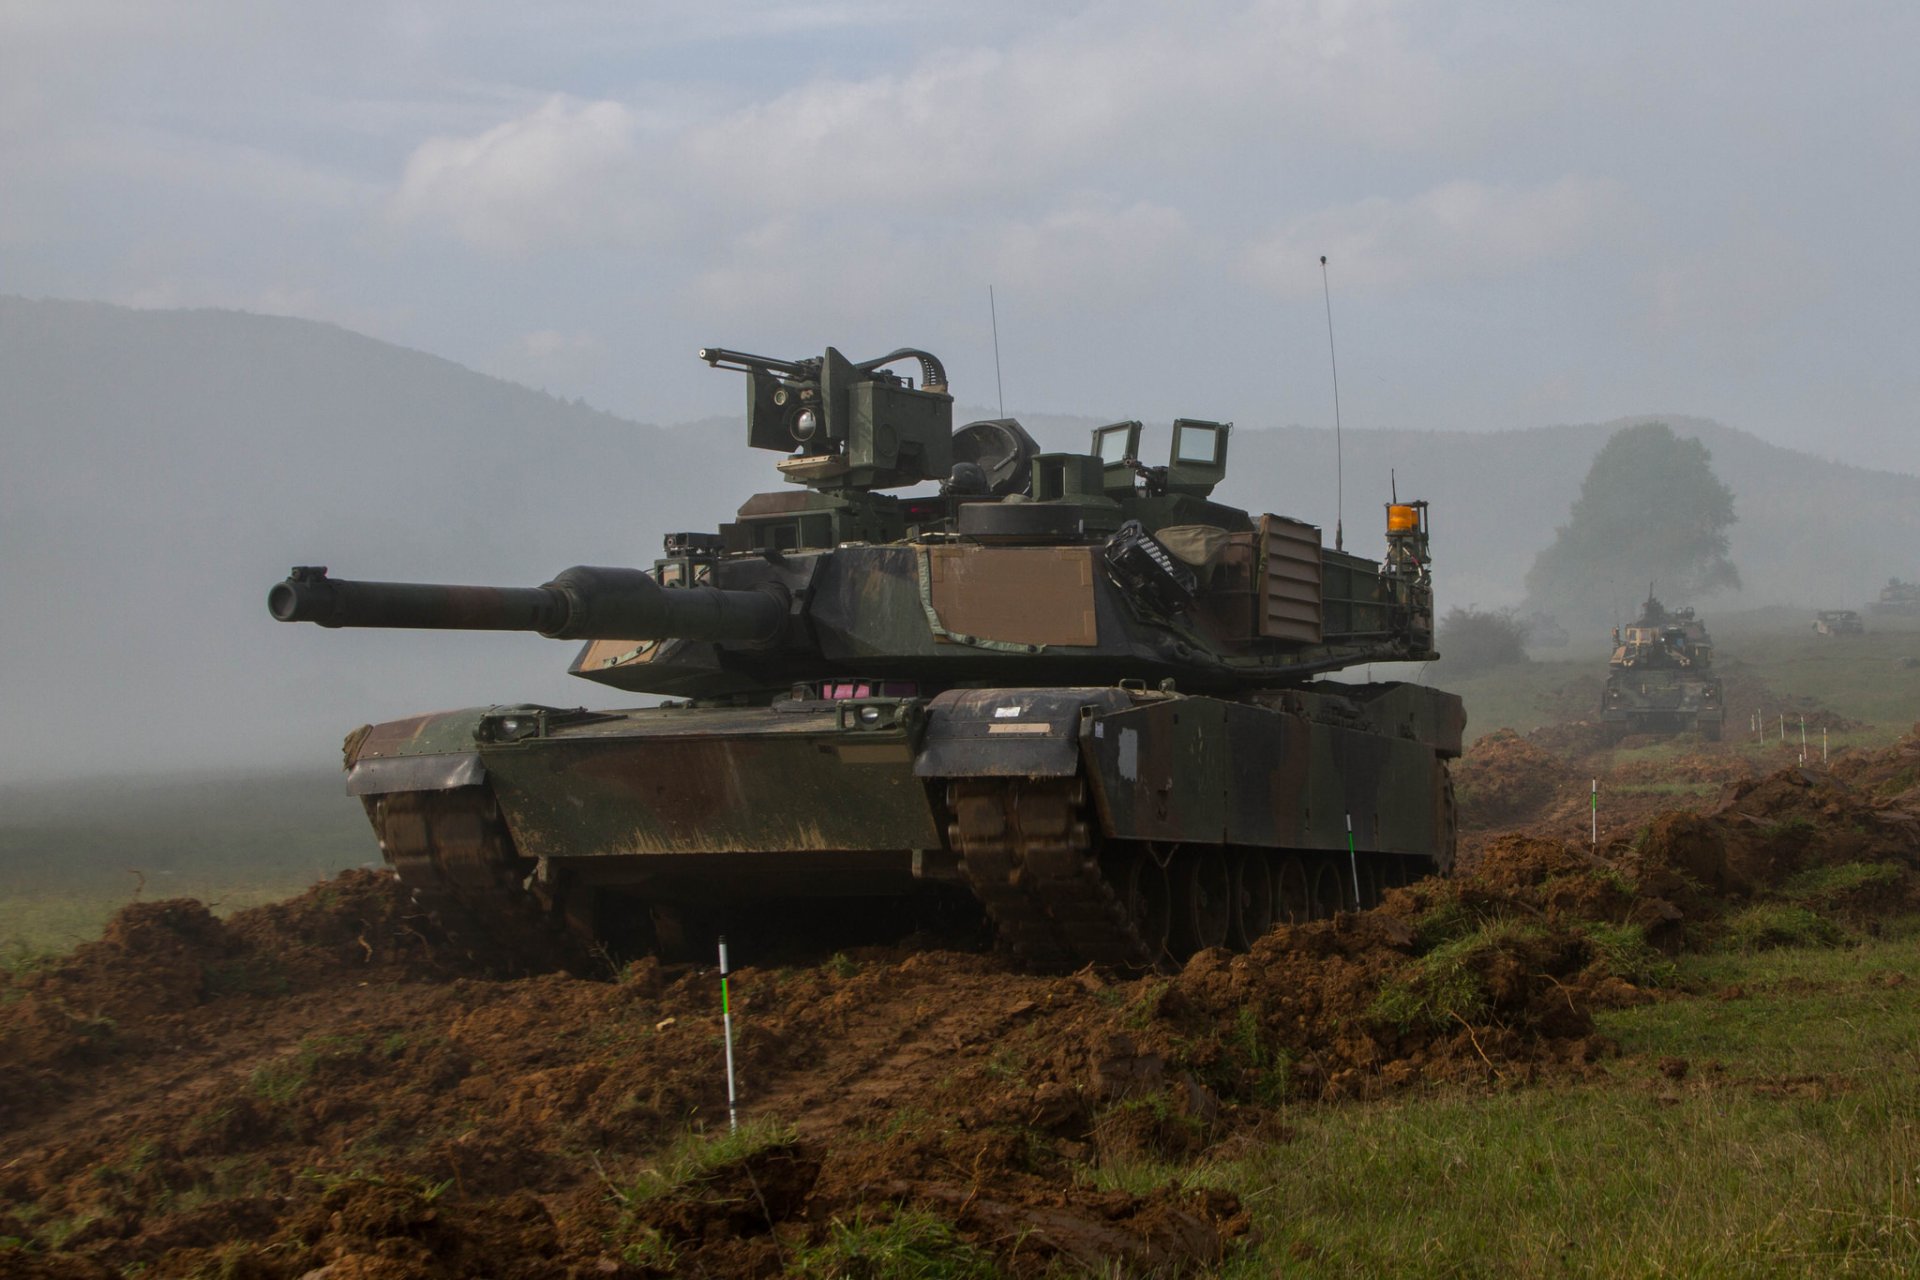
(1027, 851)
(453, 851)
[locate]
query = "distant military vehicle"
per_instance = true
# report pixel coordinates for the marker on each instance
(1838, 622)
(1069, 684)
(1898, 600)
(1660, 677)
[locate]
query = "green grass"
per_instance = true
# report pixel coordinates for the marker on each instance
(1445, 986)
(697, 1154)
(1849, 1011)
(1860, 677)
(1767, 925)
(1821, 883)
(1790, 1147)
(74, 853)
(908, 1245)
(34, 924)
(683, 1166)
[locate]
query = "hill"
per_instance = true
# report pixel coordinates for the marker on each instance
(163, 468)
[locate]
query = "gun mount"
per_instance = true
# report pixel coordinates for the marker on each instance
(1073, 685)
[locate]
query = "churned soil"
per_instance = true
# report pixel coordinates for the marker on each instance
(324, 1089)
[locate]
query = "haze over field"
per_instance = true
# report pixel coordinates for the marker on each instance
(164, 468)
(1533, 217)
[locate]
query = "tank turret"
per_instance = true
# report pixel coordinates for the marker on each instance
(886, 691)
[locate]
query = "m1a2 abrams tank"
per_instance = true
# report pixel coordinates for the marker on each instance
(1070, 684)
(1660, 678)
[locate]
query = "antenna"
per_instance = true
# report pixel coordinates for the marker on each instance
(994, 314)
(1339, 479)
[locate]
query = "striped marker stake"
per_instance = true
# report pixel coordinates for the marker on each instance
(1593, 835)
(1823, 744)
(1354, 859)
(1803, 739)
(726, 1020)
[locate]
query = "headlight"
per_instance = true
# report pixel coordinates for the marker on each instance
(869, 715)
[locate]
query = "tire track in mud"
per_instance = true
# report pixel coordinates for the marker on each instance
(897, 1047)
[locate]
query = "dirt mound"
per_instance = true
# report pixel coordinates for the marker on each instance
(158, 965)
(325, 1087)
(1796, 833)
(1505, 778)
(1718, 767)
(1573, 739)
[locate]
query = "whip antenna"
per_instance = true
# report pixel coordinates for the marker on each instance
(994, 314)
(1339, 480)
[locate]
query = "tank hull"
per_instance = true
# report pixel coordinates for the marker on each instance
(1080, 818)
(1661, 701)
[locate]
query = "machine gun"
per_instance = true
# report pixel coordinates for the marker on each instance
(847, 425)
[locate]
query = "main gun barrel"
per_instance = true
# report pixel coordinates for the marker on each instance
(583, 603)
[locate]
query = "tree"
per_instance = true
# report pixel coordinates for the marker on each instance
(1473, 640)
(1650, 510)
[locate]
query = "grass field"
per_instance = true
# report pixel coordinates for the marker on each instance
(1768, 1124)
(73, 853)
(1865, 678)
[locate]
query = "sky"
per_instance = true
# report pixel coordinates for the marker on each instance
(1532, 214)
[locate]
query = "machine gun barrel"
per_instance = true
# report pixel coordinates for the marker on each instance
(722, 358)
(583, 603)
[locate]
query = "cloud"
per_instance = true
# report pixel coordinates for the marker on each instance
(1090, 95)
(851, 271)
(567, 172)
(1098, 256)
(958, 133)
(1459, 230)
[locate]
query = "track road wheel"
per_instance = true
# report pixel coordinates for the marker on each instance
(1373, 883)
(1202, 900)
(1144, 894)
(1292, 897)
(1326, 895)
(1252, 899)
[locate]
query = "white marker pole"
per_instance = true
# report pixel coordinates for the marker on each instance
(1354, 858)
(1823, 744)
(1593, 836)
(726, 1020)
(1803, 739)
(1783, 727)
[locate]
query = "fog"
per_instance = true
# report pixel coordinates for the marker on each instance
(394, 288)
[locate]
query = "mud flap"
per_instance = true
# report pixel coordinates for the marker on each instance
(415, 773)
(1004, 733)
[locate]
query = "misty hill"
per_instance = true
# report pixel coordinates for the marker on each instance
(160, 469)
(1809, 532)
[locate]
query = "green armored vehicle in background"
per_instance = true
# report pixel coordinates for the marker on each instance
(1069, 685)
(1897, 600)
(1660, 678)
